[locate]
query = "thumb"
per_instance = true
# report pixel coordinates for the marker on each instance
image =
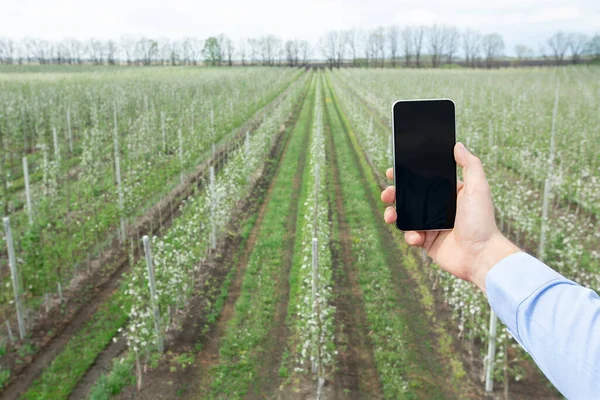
(471, 165)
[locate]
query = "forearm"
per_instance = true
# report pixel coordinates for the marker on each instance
(553, 318)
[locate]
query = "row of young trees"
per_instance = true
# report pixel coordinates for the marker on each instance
(413, 46)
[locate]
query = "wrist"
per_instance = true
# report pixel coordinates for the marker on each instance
(495, 250)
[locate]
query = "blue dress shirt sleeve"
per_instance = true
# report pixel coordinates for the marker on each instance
(555, 320)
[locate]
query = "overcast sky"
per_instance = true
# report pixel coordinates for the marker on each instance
(520, 21)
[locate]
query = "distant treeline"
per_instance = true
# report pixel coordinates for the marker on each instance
(411, 46)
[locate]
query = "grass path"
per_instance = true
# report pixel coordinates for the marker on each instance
(356, 375)
(248, 342)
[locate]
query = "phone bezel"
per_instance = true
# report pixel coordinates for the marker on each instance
(394, 154)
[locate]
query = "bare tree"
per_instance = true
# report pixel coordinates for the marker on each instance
(242, 51)
(340, 50)
(269, 48)
(352, 39)
(192, 51)
(29, 49)
(289, 52)
(577, 44)
(328, 45)
(253, 50)
(127, 45)
(280, 52)
(436, 40)
(111, 51)
(471, 41)
(559, 43)
(275, 45)
(543, 51)
(522, 51)
(593, 46)
(146, 50)
(173, 53)
(452, 41)
(7, 50)
(265, 50)
(40, 50)
(296, 52)
(393, 34)
(407, 44)
(417, 38)
(229, 50)
(168, 51)
(60, 52)
(74, 50)
(370, 47)
(379, 38)
(493, 46)
(95, 50)
(304, 50)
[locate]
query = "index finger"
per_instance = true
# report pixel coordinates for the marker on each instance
(390, 173)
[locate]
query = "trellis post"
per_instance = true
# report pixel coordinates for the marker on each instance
(15, 277)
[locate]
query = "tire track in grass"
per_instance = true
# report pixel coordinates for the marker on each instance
(356, 375)
(269, 377)
(407, 364)
(246, 343)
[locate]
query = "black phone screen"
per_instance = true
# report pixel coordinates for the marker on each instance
(425, 169)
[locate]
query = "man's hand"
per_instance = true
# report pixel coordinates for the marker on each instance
(475, 244)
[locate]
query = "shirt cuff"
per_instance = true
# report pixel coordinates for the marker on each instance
(510, 282)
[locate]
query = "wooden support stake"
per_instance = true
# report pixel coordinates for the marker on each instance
(315, 308)
(118, 176)
(162, 126)
(27, 190)
(491, 356)
(10, 334)
(69, 131)
(15, 276)
(213, 206)
(153, 296)
(55, 140)
(247, 143)
(180, 154)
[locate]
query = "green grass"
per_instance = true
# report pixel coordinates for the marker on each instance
(112, 383)
(249, 328)
(59, 379)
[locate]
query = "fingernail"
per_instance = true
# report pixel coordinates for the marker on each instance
(461, 147)
(386, 213)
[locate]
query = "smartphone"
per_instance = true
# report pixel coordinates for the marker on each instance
(424, 135)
